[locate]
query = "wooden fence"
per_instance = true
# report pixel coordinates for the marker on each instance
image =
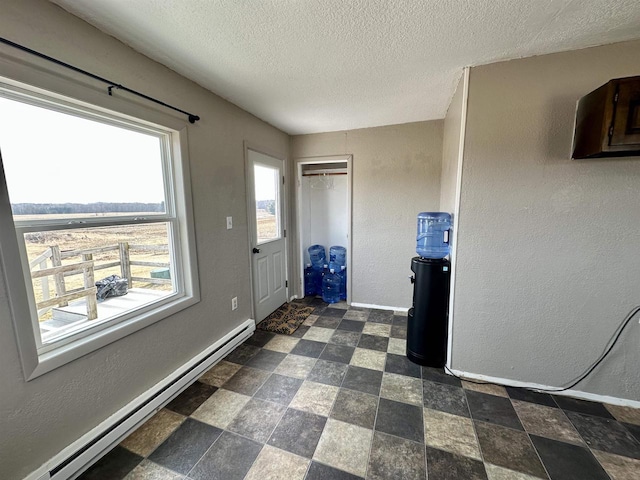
(39, 267)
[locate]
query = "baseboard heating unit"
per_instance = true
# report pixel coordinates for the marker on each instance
(80, 455)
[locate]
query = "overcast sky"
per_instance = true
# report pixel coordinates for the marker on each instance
(266, 180)
(50, 157)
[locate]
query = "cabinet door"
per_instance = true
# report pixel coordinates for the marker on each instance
(626, 123)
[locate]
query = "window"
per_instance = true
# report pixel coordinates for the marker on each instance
(266, 180)
(101, 218)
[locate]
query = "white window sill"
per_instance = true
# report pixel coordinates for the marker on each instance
(71, 351)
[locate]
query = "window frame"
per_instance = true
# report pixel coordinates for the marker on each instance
(38, 358)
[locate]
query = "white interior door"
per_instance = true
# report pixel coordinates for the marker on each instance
(268, 261)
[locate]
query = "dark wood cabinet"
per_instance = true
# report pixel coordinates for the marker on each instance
(608, 121)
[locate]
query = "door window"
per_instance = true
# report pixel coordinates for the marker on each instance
(268, 213)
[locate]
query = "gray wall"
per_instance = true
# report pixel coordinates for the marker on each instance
(39, 418)
(396, 175)
(548, 247)
(451, 150)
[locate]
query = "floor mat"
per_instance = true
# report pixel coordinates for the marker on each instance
(286, 319)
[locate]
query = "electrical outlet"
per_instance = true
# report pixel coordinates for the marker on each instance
(229, 223)
(234, 303)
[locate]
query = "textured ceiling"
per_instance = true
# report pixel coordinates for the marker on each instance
(321, 65)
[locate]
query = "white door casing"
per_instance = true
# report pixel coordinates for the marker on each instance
(266, 218)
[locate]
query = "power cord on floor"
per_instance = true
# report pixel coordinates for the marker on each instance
(577, 380)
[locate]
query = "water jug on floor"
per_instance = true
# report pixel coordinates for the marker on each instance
(336, 266)
(434, 229)
(340, 271)
(331, 287)
(318, 272)
(311, 276)
(317, 255)
(338, 254)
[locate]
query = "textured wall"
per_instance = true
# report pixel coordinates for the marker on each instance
(39, 418)
(396, 175)
(548, 262)
(451, 151)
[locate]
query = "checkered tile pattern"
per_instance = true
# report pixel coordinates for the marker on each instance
(340, 400)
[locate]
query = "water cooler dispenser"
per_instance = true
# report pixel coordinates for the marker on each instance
(427, 325)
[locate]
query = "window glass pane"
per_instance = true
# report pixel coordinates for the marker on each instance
(267, 181)
(61, 165)
(71, 262)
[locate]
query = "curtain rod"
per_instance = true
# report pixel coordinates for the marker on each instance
(322, 174)
(192, 118)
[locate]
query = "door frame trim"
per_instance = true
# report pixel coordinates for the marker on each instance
(250, 225)
(456, 212)
(299, 162)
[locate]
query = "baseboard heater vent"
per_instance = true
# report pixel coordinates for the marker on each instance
(78, 457)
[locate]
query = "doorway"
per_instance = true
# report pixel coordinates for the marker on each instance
(323, 204)
(265, 180)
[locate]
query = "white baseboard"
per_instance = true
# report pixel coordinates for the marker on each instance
(379, 307)
(371, 305)
(123, 422)
(594, 397)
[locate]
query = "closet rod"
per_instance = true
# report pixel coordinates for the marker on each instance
(322, 174)
(192, 118)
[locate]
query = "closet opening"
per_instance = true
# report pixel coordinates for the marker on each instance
(324, 211)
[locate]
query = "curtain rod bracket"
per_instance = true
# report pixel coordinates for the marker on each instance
(110, 89)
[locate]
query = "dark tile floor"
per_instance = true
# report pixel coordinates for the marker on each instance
(339, 400)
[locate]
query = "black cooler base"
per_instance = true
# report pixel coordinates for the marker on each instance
(427, 322)
(426, 353)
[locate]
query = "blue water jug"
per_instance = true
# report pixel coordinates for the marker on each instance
(338, 255)
(311, 276)
(341, 271)
(331, 287)
(434, 229)
(319, 274)
(335, 266)
(317, 255)
(343, 284)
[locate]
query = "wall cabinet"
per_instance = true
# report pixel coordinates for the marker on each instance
(608, 121)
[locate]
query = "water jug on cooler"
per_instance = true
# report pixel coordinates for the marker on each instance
(432, 240)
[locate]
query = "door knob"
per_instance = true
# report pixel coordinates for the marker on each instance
(256, 250)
